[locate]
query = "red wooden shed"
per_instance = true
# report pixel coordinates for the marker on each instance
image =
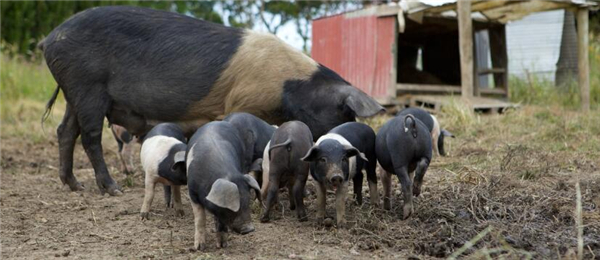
(359, 46)
(417, 54)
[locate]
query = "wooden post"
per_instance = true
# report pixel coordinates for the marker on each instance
(499, 57)
(465, 39)
(583, 58)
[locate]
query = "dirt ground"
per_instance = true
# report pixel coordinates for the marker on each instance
(518, 198)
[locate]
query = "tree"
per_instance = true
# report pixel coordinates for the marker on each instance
(25, 23)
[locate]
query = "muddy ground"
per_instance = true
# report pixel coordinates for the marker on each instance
(518, 198)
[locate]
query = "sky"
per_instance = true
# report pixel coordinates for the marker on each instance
(289, 35)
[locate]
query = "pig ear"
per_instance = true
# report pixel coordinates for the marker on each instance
(446, 133)
(178, 160)
(225, 194)
(252, 182)
(351, 151)
(256, 165)
(311, 155)
(362, 104)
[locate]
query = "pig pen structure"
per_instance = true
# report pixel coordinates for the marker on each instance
(420, 55)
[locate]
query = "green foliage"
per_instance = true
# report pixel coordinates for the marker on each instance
(25, 23)
(20, 79)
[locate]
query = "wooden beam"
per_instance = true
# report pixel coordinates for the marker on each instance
(583, 57)
(465, 39)
(427, 88)
(491, 71)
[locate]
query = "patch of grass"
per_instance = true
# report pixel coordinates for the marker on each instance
(24, 80)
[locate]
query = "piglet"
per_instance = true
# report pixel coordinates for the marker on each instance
(338, 157)
(403, 145)
(125, 141)
(432, 124)
(255, 133)
(283, 167)
(217, 183)
(163, 160)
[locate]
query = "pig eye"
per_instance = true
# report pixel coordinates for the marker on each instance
(322, 160)
(345, 160)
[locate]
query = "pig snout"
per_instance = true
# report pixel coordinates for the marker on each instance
(245, 229)
(336, 180)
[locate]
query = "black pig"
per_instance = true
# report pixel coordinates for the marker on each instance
(403, 145)
(138, 67)
(217, 183)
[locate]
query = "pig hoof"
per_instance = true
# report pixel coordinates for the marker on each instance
(407, 211)
(328, 222)
(144, 215)
(75, 186)
(387, 204)
(416, 191)
(265, 219)
(222, 244)
(302, 217)
(198, 247)
(180, 212)
(112, 190)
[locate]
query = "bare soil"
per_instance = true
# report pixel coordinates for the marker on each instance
(525, 195)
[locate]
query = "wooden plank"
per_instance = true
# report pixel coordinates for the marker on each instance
(465, 37)
(493, 91)
(499, 56)
(491, 70)
(448, 89)
(427, 88)
(475, 65)
(583, 58)
(433, 103)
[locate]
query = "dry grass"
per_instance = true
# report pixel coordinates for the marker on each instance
(506, 190)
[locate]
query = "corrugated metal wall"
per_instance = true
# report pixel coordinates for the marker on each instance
(359, 49)
(534, 44)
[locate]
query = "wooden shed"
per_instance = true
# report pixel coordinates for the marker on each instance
(414, 53)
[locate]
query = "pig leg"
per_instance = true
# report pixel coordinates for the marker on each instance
(221, 234)
(340, 204)
(290, 188)
(177, 200)
(121, 158)
(127, 156)
(150, 183)
(272, 193)
(420, 173)
(91, 111)
(357, 182)
(321, 198)
(200, 226)
(386, 180)
(299, 185)
(406, 183)
(372, 180)
(167, 192)
(67, 133)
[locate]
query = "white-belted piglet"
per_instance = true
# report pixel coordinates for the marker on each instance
(163, 160)
(340, 156)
